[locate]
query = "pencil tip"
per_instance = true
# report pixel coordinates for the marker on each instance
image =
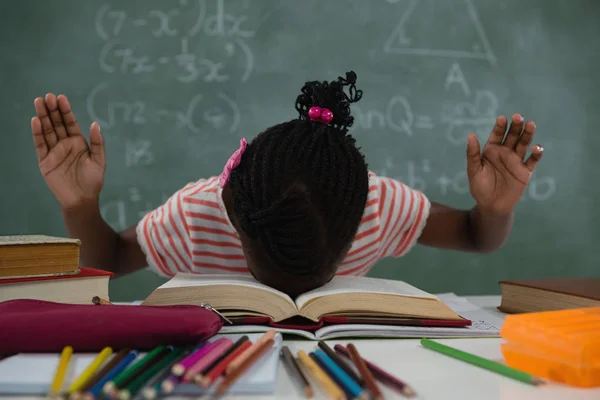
(409, 392)
(537, 381)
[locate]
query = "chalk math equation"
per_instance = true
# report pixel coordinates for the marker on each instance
(182, 30)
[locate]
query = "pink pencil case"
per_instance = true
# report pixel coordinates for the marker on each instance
(35, 326)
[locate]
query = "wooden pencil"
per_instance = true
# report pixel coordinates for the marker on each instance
(220, 346)
(328, 385)
(351, 389)
(99, 301)
(124, 378)
(233, 376)
(481, 362)
(153, 388)
(89, 371)
(208, 379)
(221, 357)
(248, 353)
(344, 366)
(366, 373)
(61, 371)
(101, 372)
(383, 376)
(294, 369)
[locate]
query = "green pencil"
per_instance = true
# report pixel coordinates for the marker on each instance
(126, 376)
(139, 382)
(482, 362)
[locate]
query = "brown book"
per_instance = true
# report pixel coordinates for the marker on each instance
(549, 294)
(37, 255)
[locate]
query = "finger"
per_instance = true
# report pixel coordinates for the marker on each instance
(473, 155)
(97, 144)
(47, 128)
(68, 116)
(55, 117)
(525, 139)
(38, 139)
(514, 132)
(535, 157)
(498, 131)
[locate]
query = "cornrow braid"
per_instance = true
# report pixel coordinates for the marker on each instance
(300, 190)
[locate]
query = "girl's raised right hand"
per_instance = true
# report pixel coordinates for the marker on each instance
(72, 169)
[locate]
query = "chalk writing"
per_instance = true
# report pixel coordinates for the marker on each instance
(455, 76)
(138, 152)
(464, 117)
(211, 64)
(220, 112)
(410, 28)
(421, 176)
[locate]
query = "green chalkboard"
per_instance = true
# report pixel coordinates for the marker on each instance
(175, 84)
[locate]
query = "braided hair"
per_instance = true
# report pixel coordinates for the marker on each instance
(300, 191)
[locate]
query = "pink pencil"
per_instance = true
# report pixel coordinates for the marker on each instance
(180, 368)
(212, 355)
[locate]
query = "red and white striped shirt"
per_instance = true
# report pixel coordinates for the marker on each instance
(192, 232)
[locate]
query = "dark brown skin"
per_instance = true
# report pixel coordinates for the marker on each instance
(74, 172)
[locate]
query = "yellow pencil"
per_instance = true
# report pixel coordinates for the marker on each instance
(89, 371)
(61, 371)
(320, 376)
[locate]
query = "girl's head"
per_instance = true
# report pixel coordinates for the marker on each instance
(300, 189)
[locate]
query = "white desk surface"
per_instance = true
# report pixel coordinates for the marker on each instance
(432, 375)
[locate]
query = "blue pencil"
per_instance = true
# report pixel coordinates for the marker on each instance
(95, 390)
(339, 375)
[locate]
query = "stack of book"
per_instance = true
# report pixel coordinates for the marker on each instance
(47, 268)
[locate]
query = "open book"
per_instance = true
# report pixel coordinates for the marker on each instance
(345, 299)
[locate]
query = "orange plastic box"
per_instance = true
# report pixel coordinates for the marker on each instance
(562, 346)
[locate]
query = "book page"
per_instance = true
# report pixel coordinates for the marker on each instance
(182, 279)
(361, 284)
(34, 239)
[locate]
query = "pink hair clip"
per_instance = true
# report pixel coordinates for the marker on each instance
(232, 163)
(320, 114)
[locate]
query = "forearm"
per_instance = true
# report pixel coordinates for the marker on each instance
(101, 246)
(488, 231)
(465, 230)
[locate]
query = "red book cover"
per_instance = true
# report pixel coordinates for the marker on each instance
(84, 272)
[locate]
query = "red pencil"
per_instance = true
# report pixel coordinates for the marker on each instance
(208, 379)
(381, 375)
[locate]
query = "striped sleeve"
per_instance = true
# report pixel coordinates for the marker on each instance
(164, 237)
(403, 214)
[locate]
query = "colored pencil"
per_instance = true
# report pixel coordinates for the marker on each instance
(296, 372)
(179, 368)
(367, 375)
(96, 390)
(347, 369)
(90, 369)
(153, 388)
(138, 383)
(169, 384)
(350, 387)
(248, 353)
(100, 373)
(383, 376)
(326, 383)
(99, 301)
(123, 379)
(481, 362)
(61, 371)
(233, 376)
(219, 369)
(219, 346)
(224, 354)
